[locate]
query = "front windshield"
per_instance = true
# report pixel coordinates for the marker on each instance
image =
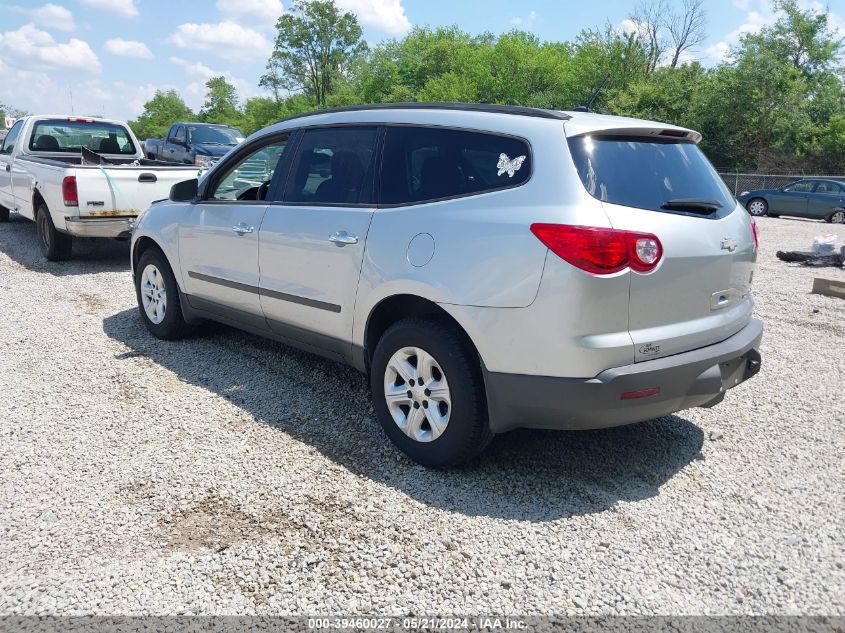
(214, 135)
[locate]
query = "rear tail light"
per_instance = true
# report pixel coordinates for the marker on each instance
(69, 192)
(601, 251)
(754, 231)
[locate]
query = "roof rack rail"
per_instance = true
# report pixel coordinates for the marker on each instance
(467, 107)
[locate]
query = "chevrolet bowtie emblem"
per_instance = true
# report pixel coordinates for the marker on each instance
(728, 245)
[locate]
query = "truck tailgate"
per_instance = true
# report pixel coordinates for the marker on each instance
(118, 191)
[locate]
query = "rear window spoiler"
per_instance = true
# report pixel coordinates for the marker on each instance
(667, 133)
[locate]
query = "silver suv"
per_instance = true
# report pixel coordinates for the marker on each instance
(488, 267)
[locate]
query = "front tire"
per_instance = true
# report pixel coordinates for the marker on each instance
(837, 217)
(158, 297)
(428, 392)
(757, 207)
(4, 214)
(55, 246)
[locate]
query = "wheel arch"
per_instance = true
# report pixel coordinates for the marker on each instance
(37, 200)
(396, 307)
(144, 243)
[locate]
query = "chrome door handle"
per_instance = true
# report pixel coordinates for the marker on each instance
(242, 228)
(342, 237)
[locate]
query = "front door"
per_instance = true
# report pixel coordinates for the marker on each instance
(7, 198)
(793, 199)
(218, 242)
(312, 240)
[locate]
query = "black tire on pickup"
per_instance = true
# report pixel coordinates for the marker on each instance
(55, 246)
(4, 214)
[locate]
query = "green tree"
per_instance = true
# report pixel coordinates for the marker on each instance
(165, 108)
(260, 112)
(221, 102)
(315, 46)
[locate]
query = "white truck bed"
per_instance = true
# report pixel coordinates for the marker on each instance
(82, 199)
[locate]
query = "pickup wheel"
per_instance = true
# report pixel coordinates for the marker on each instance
(428, 392)
(158, 297)
(55, 246)
(4, 214)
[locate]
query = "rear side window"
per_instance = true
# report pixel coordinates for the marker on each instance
(426, 163)
(334, 166)
(646, 173)
(828, 187)
(56, 135)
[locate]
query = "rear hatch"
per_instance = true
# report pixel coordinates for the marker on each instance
(658, 181)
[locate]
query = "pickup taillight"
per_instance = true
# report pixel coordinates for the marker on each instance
(69, 192)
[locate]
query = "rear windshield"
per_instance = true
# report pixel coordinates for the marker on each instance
(56, 135)
(648, 174)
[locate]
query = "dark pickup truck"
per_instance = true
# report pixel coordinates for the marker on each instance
(200, 144)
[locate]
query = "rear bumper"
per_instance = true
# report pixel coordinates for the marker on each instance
(691, 379)
(100, 227)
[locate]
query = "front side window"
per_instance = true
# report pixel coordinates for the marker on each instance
(803, 186)
(56, 135)
(11, 137)
(423, 164)
(334, 166)
(250, 176)
(649, 174)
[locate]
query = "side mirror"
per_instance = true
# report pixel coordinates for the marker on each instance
(184, 191)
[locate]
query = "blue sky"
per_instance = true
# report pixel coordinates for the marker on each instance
(108, 57)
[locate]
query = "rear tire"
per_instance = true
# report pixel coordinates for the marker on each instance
(443, 422)
(757, 207)
(55, 246)
(4, 214)
(837, 217)
(158, 297)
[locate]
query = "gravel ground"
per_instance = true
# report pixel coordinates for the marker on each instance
(227, 474)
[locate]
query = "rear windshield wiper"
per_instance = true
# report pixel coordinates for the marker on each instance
(692, 204)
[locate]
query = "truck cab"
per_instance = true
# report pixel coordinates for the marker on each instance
(199, 144)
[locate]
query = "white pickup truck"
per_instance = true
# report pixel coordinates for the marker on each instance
(79, 176)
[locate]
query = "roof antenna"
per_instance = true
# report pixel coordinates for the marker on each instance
(588, 107)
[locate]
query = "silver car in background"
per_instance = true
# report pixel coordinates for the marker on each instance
(488, 267)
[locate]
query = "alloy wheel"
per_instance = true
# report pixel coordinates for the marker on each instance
(417, 394)
(757, 207)
(838, 217)
(153, 294)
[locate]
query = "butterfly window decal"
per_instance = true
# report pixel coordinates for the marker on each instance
(508, 166)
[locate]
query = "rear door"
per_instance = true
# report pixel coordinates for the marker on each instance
(312, 241)
(827, 197)
(699, 293)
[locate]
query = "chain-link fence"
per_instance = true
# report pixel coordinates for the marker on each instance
(747, 182)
